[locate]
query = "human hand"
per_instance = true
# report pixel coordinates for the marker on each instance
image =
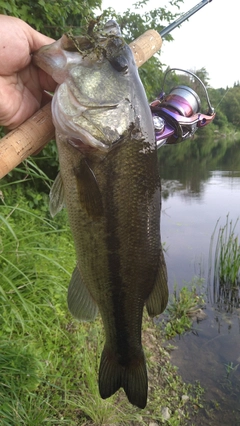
(22, 84)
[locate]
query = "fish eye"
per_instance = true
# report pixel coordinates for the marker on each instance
(119, 64)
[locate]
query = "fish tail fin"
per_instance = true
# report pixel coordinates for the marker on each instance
(132, 378)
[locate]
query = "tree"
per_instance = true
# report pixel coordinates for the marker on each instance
(52, 17)
(231, 105)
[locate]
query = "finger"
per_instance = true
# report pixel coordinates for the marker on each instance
(46, 81)
(36, 39)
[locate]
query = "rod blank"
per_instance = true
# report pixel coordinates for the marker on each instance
(183, 18)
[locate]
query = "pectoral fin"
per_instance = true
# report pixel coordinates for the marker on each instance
(56, 196)
(158, 298)
(80, 302)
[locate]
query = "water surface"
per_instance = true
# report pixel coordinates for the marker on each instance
(201, 185)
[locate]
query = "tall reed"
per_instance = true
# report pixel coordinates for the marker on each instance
(224, 265)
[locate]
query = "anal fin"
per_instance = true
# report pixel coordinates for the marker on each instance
(158, 298)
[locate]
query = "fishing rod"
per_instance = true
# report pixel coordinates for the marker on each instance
(150, 42)
(183, 18)
(38, 130)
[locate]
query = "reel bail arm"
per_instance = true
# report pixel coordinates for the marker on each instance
(177, 116)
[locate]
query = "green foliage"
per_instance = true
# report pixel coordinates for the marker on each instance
(220, 121)
(133, 23)
(226, 103)
(230, 368)
(19, 374)
(52, 18)
(184, 306)
(35, 183)
(225, 262)
(229, 258)
(227, 254)
(230, 105)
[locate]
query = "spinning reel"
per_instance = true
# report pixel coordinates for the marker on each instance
(177, 116)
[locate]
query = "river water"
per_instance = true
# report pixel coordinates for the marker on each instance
(201, 185)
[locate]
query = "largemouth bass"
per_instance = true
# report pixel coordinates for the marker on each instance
(110, 185)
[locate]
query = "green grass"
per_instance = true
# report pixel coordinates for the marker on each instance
(48, 361)
(185, 304)
(224, 261)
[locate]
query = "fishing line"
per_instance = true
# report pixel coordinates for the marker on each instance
(222, 98)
